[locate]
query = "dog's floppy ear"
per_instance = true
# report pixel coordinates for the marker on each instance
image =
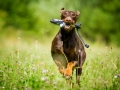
(62, 10)
(78, 13)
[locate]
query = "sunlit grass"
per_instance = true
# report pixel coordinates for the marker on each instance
(30, 67)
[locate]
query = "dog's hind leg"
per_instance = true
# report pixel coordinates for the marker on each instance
(78, 74)
(81, 60)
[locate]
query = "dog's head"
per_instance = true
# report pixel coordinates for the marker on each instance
(69, 18)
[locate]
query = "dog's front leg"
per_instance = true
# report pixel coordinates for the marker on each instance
(58, 54)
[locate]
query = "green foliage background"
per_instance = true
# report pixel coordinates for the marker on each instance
(30, 19)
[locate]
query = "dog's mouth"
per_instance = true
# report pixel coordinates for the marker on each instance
(68, 26)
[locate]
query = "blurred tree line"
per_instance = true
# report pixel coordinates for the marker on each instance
(18, 13)
(100, 18)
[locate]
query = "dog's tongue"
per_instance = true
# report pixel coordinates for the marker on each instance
(67, 26)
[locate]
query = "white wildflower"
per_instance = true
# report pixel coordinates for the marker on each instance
(42, 79)
(115, 76)
(47, 82)
(44, 71)
(54, 82)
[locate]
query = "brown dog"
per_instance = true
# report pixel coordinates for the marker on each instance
(67, 49)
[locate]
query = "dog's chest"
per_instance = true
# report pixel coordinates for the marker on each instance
(69, 42)
(69, 45)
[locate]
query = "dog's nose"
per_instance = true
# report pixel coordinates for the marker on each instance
(68, 19)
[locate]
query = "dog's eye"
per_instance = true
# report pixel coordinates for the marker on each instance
(73, 15)
(65, 13)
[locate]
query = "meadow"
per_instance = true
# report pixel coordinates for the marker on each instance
(29, 66)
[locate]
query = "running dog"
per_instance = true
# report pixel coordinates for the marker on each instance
(67, 49)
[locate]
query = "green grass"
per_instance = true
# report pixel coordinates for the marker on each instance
(30, 67)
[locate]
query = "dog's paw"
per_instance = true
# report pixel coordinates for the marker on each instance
(68, 71)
